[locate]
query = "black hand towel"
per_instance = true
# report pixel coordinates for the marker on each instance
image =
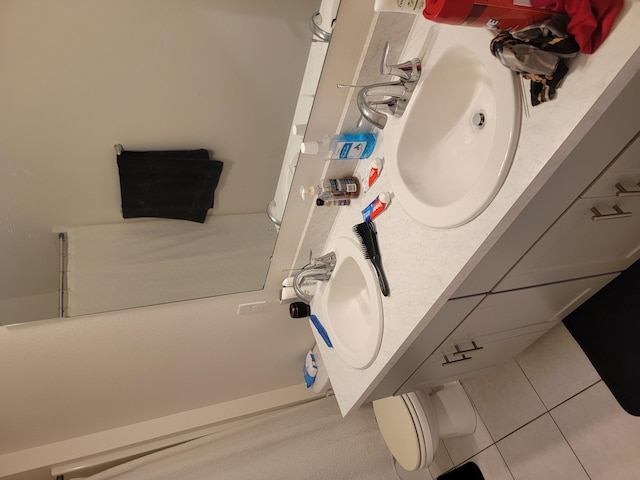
(176, 184)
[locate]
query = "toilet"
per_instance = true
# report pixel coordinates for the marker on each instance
(413, 423)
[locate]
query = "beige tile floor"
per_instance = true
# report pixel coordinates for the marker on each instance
(545, 415)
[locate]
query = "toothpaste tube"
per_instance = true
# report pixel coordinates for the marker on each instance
(310, 369)
(371, 175)
(376, 207)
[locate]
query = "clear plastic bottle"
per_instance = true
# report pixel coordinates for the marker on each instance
(345, 146)
(343, 202)
(333, 188)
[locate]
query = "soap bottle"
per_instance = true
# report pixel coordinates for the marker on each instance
(333, 188)
(345, 146)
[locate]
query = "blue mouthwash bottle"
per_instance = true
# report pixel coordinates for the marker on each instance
(345, 146)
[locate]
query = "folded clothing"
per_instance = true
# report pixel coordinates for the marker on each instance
(538, 53)
(174, 184)
(590, 20)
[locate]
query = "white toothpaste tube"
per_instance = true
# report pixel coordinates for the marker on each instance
(371, 175)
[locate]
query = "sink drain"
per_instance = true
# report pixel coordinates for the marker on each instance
(479, 120)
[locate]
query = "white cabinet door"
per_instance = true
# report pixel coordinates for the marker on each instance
(446, 320)
(622, 177)
(594, 236)
(486, 352)
(511, 310)
(501, 326)
(599, 233)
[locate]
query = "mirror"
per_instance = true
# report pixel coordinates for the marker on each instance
(80, 77)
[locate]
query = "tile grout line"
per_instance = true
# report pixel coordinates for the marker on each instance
(528, 422)
(482, 420)
(548, 411)
(477, 411)
(562, 433)
(578, 393)
(532, 385)
(494, 444)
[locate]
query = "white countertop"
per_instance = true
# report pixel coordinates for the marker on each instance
(424, 266)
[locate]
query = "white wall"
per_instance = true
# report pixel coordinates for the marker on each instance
(67, 378)
(62, 379)
(80, 76)
(69, 385)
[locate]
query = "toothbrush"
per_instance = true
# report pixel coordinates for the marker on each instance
(323, 333)
(366, 233)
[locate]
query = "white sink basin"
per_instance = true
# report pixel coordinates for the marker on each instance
(349, 305)
(450, 152)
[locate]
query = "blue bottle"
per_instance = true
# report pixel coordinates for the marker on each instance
(346, 146)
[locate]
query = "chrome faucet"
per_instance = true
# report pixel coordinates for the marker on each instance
(393, 96)
(319, 269)
(319, 35)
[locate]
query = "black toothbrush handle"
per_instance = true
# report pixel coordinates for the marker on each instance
(384, 286)
(375, 259)
(368, 236)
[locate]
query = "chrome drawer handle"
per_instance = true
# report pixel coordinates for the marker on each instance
(473, 349)
(461, 359)
(611, 216)
(623, 192)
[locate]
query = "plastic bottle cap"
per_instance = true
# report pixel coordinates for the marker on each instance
(298, 129)
(312, 190)
(299, 310)
(311, 148)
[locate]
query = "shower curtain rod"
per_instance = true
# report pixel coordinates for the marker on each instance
(62, 272)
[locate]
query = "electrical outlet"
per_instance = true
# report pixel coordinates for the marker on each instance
(246, 308)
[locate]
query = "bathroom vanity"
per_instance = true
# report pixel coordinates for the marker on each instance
(564, 224)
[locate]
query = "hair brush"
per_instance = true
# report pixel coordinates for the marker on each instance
(366, 233)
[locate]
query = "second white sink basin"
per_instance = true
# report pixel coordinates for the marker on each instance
(450, 152)
(349, 305)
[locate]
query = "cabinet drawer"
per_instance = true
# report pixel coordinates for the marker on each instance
(511, 310)
(500, 327)
(444, 367)
(623, 175)
(582, 242)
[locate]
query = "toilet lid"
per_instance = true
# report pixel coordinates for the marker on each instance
(397, 423)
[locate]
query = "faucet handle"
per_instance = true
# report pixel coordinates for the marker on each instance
(328, 259)
(408, 71)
